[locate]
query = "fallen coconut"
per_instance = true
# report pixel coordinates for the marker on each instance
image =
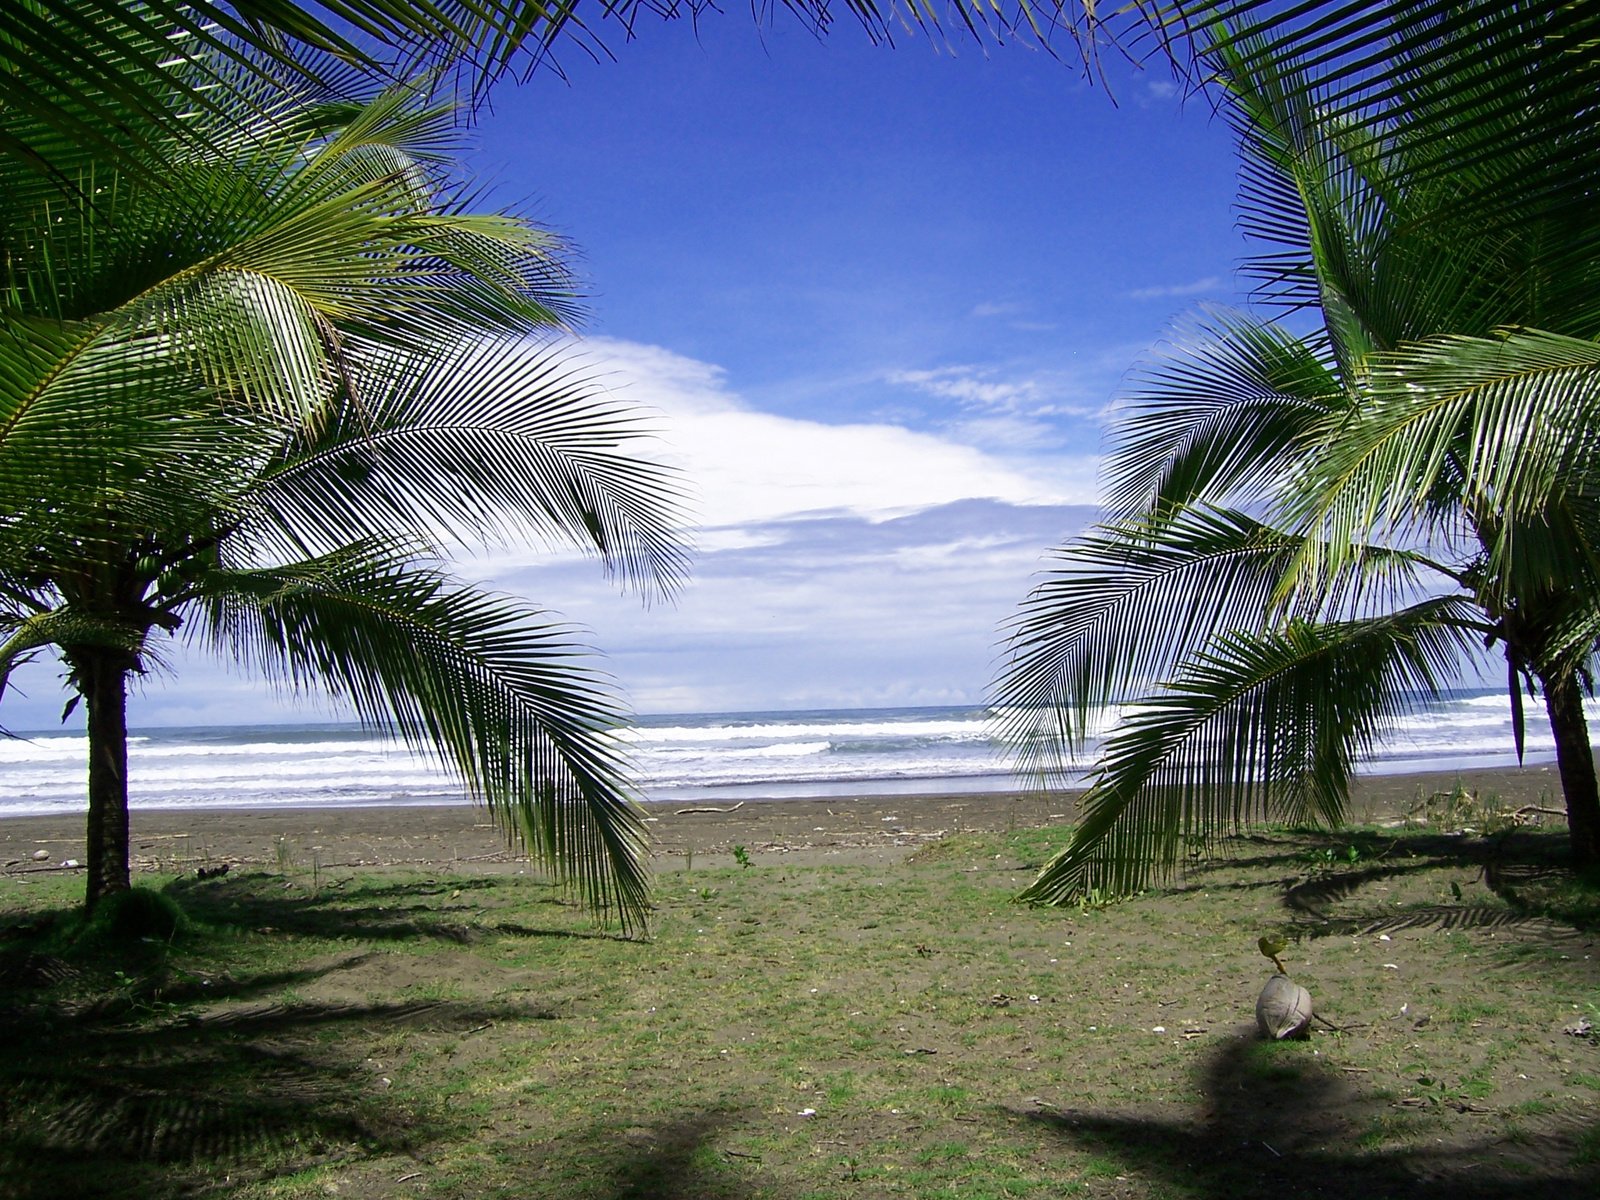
(41, 856)
(1283, 1010)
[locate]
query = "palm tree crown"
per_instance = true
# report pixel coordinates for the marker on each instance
(259, 402)
(1310, 532)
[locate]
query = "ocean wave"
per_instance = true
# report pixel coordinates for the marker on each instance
(970, 728)
(809, 753)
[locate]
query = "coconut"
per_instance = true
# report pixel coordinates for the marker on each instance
(1283, 1010)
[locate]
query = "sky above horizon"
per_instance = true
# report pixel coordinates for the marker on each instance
(878, 302)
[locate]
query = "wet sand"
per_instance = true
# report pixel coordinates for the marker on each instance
(829, 829)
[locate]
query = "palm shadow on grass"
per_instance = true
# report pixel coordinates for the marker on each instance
(672, 1161)
(127, 1073)
(369, 910)
(1277, 1124)
(1527, 872)
(133, 1093)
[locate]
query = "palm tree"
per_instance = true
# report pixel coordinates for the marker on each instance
(257, 403)
(1308, 532)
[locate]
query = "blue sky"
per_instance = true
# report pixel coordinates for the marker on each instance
(882, 299)
(879, 301)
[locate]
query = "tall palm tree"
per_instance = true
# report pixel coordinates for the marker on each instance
(1308, 532)
(256, 404)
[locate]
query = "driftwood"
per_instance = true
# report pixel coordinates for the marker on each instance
(683, 812)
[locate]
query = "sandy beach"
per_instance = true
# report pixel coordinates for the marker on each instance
(830, 829)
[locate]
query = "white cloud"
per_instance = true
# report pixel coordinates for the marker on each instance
(994, 309)
(1198, 287)
(749, 466)
(826, 612)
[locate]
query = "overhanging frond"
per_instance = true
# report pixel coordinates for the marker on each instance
(1221, 415)
(500, 693)
(477, 439)
(1266, 724)
(1124, 604)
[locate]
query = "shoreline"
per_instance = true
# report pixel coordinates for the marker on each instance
(824, 829)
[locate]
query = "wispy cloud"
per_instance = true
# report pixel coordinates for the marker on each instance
(1199, 287)
(996, 309)
(972, 386)
(986, 389)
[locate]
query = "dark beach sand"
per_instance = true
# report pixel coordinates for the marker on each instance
(824, 830)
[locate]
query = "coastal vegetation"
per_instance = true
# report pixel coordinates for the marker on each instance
(251, 394)
(1318, 518)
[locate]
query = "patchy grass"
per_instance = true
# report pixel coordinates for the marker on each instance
(818, 1031)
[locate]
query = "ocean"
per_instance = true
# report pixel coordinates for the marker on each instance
(710, 757)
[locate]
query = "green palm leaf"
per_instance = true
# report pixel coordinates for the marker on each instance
(1265, 724)
(1130, 602)
(1503, 426)
(1221, 416)
(499, 691)
(475, 440)
(1125, 603)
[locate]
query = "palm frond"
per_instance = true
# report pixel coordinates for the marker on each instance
(1256, 725)
(1132, 601)
(498, 692)
(88, 416)
(130, 77)
(1220, 416)
(1436, 209)
(27, 635)
(475, 440)
(1124, 604)
(1501, 427)
(1372, 64)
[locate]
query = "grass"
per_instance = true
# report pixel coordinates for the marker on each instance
(823, 1032)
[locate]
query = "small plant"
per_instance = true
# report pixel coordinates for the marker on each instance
(1433, 1090)
(283, 851)
(134, 915)
(742, 856)
(1326, 858)
(1271, 945)
(142, 996)
(1462, 810)
(1096, 899)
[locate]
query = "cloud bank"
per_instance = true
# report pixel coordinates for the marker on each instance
(836, 565)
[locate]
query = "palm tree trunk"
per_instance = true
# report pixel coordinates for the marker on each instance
(1575, 760)
(102, 679)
